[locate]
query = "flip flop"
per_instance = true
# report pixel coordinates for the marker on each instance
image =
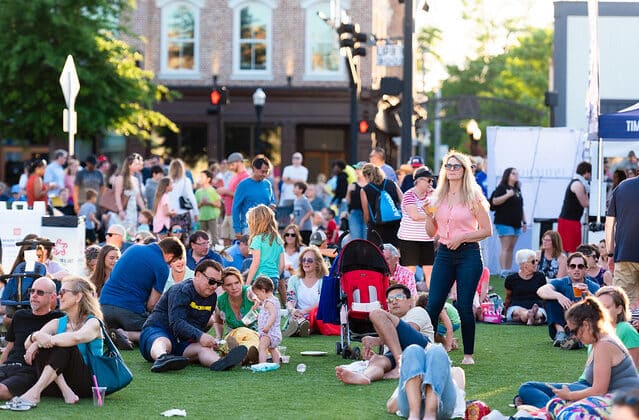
(19, 404)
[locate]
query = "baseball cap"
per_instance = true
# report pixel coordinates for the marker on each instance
(416, 161)
(360, 164)
(15, 189)
(317, 238)
(235, 157)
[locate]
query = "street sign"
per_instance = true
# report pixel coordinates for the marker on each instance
(69, 82)
(391, 55)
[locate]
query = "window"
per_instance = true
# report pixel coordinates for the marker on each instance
(180, 38)
(252, 27)
(322, 58)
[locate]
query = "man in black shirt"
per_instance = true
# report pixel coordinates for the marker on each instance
(16, 377)
(176, 331)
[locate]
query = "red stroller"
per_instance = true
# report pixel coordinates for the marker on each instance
(363, 277)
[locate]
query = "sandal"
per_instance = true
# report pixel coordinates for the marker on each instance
(19, 404)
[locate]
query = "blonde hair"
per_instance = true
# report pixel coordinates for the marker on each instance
(176, 169)
(163, 184)
(374, 174)
(320, 269)
(471, 195)
(89, 304)
(261, 221)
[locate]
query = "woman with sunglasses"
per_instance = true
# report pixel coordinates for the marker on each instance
(303, 294)
(60, 349)
(551, 257)
(595, 271)
(510, 220)
(522, 303)
(458, 214)
(415, 248)
(107, 257)
(292, 246)
(609, 368)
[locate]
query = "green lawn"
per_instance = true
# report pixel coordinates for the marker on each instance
(506, 356)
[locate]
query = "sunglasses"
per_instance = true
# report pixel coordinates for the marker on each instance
(109, 234)
(177, 231)
(533, 261)
(308, 260)
(394, 298)
(63, 291)
(289, 235)
(37, 292)
(579, 266)
(138, 240)
(453, 166)
(213, 281)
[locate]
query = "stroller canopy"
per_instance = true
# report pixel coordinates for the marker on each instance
(360, 254)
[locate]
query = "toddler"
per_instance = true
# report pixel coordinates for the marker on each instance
(145, 221)
(268, 321)
(89, 210)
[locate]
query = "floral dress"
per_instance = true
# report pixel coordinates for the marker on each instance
(274, 333)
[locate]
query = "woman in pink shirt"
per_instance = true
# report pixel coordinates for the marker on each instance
(458, 214)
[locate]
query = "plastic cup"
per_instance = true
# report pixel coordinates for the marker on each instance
(285, 359)
(98, 395)
(30, 258)
(577, 291)
(282, 350)
(249, 318)
(301, 368)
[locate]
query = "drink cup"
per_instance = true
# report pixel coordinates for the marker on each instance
(250, 317)
(98, 395)
(285, 359)
(282, 350)
(577, 290)
(301, 368)
(30, 258)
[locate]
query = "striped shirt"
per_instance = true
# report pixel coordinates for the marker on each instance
(409, 229)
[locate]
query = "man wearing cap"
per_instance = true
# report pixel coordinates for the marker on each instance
(378, 158)
(252, 192)
(16, 377)
(116, 236)
(88, 178)
(54, 173)
(319, 239)
(408, 182)
(292, 174)
(235, 163)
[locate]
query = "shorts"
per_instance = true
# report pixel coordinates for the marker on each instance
(505, 230)
(116, 317)
(226, 229)
(150, 334)
(511, 309)
(18, 378)
(407, 335)
(570, 232)
(627, 277)
(413, 253)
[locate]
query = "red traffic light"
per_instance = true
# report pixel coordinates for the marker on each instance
(216, 97)
(364, 127)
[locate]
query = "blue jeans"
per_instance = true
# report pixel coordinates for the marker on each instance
(433, 365)
(464, 265)
(555, 315)
(538, 394)
(356, 224)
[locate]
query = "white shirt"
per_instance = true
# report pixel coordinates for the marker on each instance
(307, 297)
(419, 317)
(298, 173)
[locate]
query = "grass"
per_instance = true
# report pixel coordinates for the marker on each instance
(506, 356)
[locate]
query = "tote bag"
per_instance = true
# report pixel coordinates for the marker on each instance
(108, 367)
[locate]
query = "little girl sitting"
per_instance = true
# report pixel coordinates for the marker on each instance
(268, 321)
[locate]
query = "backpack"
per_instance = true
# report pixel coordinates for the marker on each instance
(385, 210)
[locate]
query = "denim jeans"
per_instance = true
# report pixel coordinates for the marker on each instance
(356, 224)
(433, 365)
(464, 265)
(555, 315)
(538, 394)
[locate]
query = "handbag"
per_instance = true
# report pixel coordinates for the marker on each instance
(109, 368)
(185, 204)
(107, 200)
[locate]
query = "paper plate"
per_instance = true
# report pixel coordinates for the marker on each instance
(313, 353)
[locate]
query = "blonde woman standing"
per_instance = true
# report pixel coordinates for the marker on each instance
(126, 184)
(182, 197)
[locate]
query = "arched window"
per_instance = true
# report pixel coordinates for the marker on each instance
(252, 33)
(180, 37)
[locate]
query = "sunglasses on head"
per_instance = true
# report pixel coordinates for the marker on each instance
(38, 292)
(394, 298)
(579, 266)
(176, 231)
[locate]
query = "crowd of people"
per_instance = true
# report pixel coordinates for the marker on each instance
(199, 268)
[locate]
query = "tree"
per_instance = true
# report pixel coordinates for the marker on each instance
(115, 94)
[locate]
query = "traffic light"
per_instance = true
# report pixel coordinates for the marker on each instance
(351, 37)
(217, 97)
(365, 126)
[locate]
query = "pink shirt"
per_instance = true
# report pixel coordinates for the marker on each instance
(410, 229)
(404, 276)
(454, 220)
(161, 218)
(228, 199)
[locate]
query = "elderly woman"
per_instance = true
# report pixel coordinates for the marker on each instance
(522, 303)
(232, 305)
(108, 256)
(551, 258)
(303, 294)
(60, 349)
(369, 197)
(458, 213)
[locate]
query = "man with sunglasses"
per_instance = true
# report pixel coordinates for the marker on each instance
(561, 294)
(116, 236)
(175, 333)
(404, 324)
(16, 377)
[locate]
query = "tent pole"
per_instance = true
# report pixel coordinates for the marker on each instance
(599, 178)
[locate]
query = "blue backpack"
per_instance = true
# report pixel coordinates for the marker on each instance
(385, 210)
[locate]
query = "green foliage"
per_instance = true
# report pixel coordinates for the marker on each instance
(115, 94)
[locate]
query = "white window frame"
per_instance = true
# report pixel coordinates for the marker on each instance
(167, 5)
(309, 74)
(237, 73)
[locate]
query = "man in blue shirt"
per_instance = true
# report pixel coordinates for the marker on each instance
(252, 192)
(238, 253)
(561, 294)
(200, 250)
(176, 331)
(136, 284)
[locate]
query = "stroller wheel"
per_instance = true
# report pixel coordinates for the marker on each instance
(338, 348)
(347, 352)
(357, 354)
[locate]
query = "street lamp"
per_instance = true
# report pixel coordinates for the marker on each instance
(474, 135)
(259, 99)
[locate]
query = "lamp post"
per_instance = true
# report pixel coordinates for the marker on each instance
(474, 135)
(259, 99)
